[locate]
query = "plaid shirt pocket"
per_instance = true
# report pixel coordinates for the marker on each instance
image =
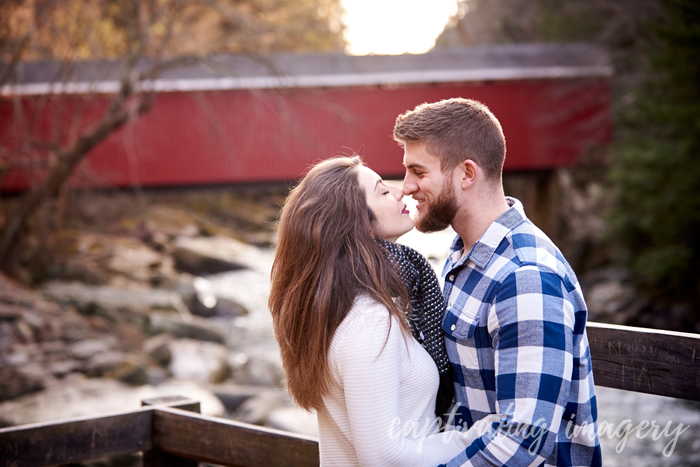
(461, 340)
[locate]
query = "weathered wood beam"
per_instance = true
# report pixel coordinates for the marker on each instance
(156, 457)
(230, 443)
(665, 363)
(76, 440)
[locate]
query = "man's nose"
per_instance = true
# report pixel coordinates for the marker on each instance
(409, 186)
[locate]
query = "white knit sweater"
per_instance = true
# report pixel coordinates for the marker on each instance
(380, 410)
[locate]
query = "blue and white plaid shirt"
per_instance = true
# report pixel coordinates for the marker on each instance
(516, 335)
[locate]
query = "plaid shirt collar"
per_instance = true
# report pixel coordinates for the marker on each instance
(480, 254)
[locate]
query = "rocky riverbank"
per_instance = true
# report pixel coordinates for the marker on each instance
(148, 301)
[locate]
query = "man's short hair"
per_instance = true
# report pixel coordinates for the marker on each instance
(455, 130)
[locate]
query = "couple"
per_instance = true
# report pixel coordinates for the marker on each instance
(369, 342)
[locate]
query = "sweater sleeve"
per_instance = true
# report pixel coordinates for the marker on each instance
(369, 357)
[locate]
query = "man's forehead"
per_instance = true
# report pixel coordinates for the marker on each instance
(418, 156)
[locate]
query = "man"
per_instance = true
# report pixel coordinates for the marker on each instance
(515, 325)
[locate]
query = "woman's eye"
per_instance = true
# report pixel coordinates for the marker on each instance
(387, 192)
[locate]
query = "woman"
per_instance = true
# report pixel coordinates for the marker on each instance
(339, 308)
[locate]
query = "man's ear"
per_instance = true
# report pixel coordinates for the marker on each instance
(468, 172)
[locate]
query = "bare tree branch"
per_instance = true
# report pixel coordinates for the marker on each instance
(121, 109)
(16, 54)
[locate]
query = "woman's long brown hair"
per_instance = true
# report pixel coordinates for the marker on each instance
(325, 257)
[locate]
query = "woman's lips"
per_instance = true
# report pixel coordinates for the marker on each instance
(405, 210)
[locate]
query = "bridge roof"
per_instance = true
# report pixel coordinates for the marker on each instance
(483, 63)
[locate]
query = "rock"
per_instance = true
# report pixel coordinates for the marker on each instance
(62, 368)
(119, 260)
(19, 380)
(233, 395)
(196, 360)
(262, 239)
(237, 362)
(257, 409)
(138, 319)
(83, 268)
(7, 336)
(85, 297)
(294, 419)
(205, 302)
(173, 324)
(139, 262)
(11, 312)
(256, 370)
(158, 349)
(210, 255)
(158, 240)
(102, 363)
(25, 331)
(157, 375)
(185, 288)
(81, 397)
(56, 348)
(168, 222)
(74, 327)
(88, 348)
(23, 371)
(230, 308)
(130, 370)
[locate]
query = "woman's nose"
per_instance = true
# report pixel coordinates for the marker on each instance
(398, 192)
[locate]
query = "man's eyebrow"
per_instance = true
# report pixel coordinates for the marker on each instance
(415, 166)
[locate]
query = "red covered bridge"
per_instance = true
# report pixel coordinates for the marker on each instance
(239, 119)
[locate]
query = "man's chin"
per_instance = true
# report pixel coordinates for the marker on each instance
(438, 215)
(430, 225)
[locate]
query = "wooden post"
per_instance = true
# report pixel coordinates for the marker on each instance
(156, 457)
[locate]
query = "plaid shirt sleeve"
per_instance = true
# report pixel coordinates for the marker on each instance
(529, 332)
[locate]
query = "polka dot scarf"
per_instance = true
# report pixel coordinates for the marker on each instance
(426, 314)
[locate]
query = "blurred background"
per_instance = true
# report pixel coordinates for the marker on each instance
(146, 148)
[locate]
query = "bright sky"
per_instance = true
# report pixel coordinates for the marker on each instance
(395, 26)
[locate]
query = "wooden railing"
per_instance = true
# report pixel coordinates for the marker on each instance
(170, 432)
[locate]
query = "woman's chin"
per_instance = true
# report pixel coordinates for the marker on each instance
(404, 233)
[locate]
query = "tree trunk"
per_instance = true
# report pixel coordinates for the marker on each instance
(117, 115)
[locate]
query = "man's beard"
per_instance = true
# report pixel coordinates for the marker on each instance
(439, 215)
